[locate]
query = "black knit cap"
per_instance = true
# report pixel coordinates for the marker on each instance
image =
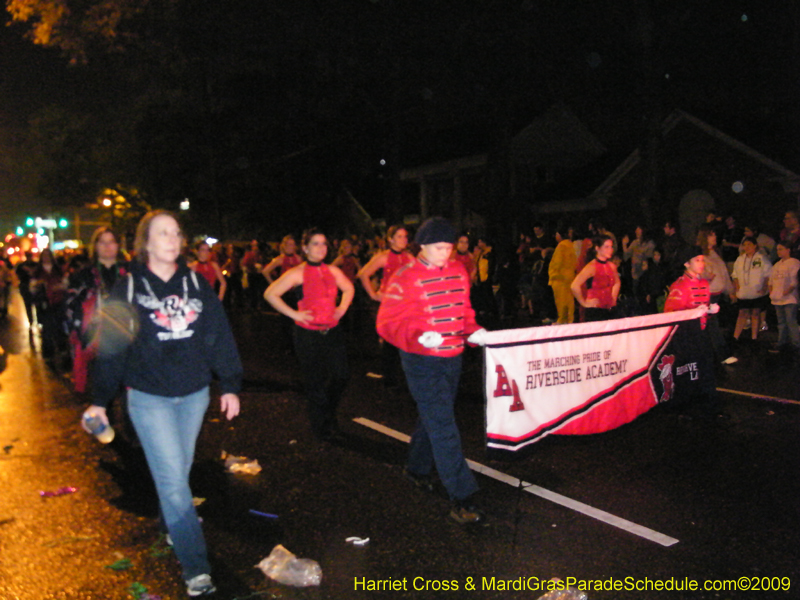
(435, 230)
(688, 253)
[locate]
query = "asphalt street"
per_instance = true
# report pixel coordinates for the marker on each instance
(663, 502)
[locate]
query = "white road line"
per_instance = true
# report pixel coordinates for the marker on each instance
(596, 513)
(760, 396)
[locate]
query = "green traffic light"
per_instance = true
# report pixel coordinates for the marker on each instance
(29, 222)
(62, 223)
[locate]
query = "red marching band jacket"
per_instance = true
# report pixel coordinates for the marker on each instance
(688, 292)
(421, 297)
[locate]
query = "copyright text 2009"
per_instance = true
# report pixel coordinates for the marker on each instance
(627, 584)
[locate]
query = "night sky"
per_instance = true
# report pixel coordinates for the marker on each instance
(352, 82)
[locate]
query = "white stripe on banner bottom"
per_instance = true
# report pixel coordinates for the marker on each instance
(590, 511)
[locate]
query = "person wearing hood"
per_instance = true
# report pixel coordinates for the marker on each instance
(163, 332)
(426, 313)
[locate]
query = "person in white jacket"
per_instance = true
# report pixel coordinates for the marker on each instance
(783, 294)
(750, 276)
(720, 287)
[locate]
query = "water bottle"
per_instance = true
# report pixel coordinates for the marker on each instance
(104, 433)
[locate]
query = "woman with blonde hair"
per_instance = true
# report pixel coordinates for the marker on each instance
(347, 260)
(287, 259)
(182, 338)
(720, 288)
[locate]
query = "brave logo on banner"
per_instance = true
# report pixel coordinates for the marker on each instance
(562, 370)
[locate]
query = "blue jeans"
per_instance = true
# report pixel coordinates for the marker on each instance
(787, 325)
(168, 430)
(433, 382)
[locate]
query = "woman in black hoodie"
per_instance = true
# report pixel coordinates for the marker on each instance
(178, 335)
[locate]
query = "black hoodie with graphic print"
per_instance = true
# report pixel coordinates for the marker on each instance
(182, 337)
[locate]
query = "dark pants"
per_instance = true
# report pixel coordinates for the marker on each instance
(323, 362)
(27, 299)
(54, 338)
(256, 284)
(389, 364)
(721, 350)
(598, 314)
(433, 382)
(482, 296)
(234, 293)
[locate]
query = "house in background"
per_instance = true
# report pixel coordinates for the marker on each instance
(698, 168)
(465, 189)
(555, 169)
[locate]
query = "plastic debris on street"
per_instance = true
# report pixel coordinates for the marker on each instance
(284, 567)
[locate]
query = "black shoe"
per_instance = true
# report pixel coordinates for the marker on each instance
(466, 513)
(421, 482)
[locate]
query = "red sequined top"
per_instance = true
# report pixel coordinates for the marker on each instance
(318, 294)
(394, 260)
(602, 284)
(206, 269)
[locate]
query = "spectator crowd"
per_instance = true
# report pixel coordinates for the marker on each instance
(752, 275)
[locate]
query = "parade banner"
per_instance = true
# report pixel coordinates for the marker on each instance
(589, 377)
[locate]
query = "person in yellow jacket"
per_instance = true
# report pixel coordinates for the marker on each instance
(561, 273)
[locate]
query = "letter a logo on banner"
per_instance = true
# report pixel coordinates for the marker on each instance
(502, 389)
(517, 405)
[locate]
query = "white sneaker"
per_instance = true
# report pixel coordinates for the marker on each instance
(730, 360)
(200, 585)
